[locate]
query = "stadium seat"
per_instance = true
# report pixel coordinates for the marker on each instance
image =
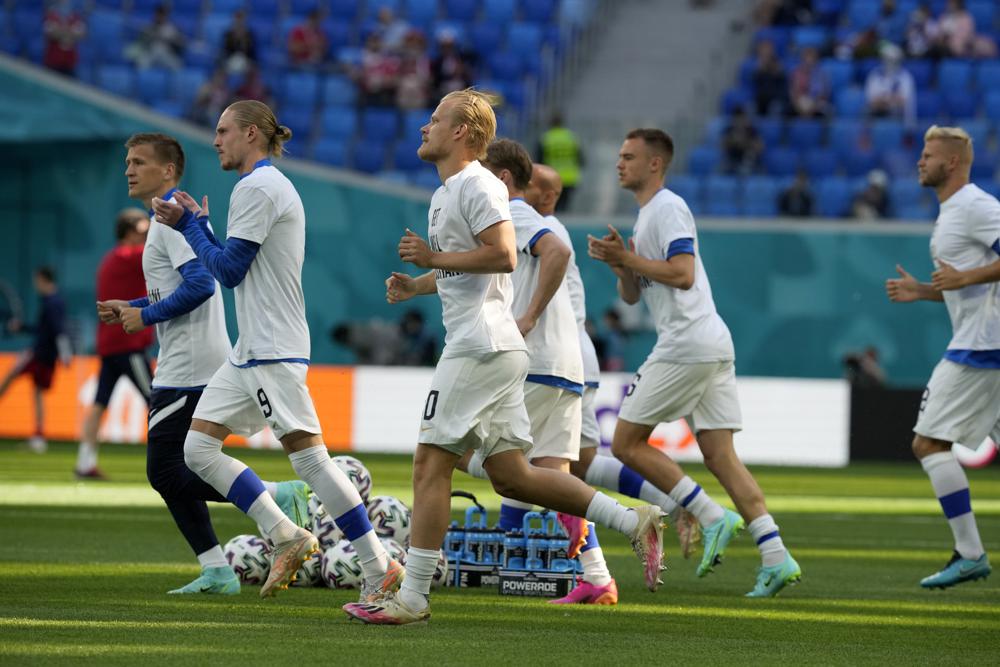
(954, 74)
(984, 165)
(900, 162)
(331, 151)
(213, 29)
(427, 179)
(703, 160)
(186, 83)
(819, 162)
(978, 129)
(404, 156)
(301, 89)
(988, 76)
(373, 7)
(540, 11)
(886, 134)
(850, 102)
(500, 12)
(524, 38)
(169, 108)
(735, 98)
(379, 124)
(343, 9)
(116, 79)
(152, 84)
(771, 130)
(485, 37)
(300, 121)
(338, 123)
(779, 36)
(859, 162)
(781, 161)
(805, 37)
(928, 103)
(506, 65)
(421, 12)
(840, 72)
(722, 195)
(686, 187)
(413, 120)
(369, 156)
(959, 103)
(833, 197)
(863, 14)
(339, 91)
(805, 133)
(922, 72)
(760, 196)
(903, 191)
(227, 6)
(991, 105)
(984, 12)
(461, 10)
(265, 9)
(301, 7)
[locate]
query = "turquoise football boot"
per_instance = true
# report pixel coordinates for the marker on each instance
(293, 499)
(957, 571)
(770, 580)
(213, 580)
(716, 537)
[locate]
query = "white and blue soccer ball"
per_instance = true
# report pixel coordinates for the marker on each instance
(395, 550)
(314, 507)
(340, 566)
(390, 517)
(250, 558)
(325, 529)
(310, 574)
(357, 473)
(440, 577)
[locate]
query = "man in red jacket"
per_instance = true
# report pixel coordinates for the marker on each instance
(119, 276)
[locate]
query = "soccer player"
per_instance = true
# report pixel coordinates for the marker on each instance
(263, 383)
(542, 194)
(184, 303)
(962, 400)
(51, 343)
(476, 399)
(690, 372)
(119, 276)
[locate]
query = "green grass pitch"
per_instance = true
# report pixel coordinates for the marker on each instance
(84, 568)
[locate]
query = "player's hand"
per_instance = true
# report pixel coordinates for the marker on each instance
(903, 289)
(108, 311)
(131, 319)
(188, 202)
(947, 277)
(167, 213)
(400, 287)
(415, 250)
(526, 324)
(610, 249)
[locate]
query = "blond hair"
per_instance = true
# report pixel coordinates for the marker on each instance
(474, 109)
(251, 112)
(957, 140)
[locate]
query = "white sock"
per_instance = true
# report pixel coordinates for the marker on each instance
(372, 556)
(694, 499)
(475, 467)
(610, 473)
(595, 568)
(86, 457)
(951, 486)
(765, 534)
(605, 511)
(212, 558)
(276, 526)
(420, 567)
(272, 488)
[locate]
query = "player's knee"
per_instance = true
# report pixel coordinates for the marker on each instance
(508, 487)
(923, 447)
(197, 456)
(622, 450)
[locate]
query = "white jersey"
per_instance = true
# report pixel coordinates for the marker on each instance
(688, 328)
(270, 309)
(476, 307)
(554, 343)
(192, 345)
(574, 284)
(966, 236)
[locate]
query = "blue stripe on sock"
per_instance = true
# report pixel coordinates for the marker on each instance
(354, 522)
(697, 490)
(245, 489)
(765, 538)
(956, 504)
(511, 517)
(629, 482)
(591, 542)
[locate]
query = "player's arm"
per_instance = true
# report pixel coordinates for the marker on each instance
(948, 277)
(907, 289)
(675, 271)
(553, 258)
(497, 252)
(197, 286)
(610, 250)
(401, 287)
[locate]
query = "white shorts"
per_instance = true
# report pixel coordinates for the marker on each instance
(960, 404)
(478, 403)
(245, 400)
(555, 421)
(590, 432)
(704, 393)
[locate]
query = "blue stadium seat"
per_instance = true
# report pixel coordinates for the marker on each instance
(960, 103)
(169, 108)
(805, 133)
(988, 75)
(984, 165)
(978, 128)
(703, 160)
(922, 72)
(859, 161)
(779, 36)
(850, 102)
(819, 162)
(886, 134)
(369, 156)
(339, 123)
(722, 195)
(265, 9)
(421, 12)
(863, 13)
(427, 179)
(771, 130)
(343, 9)
(301, 89)
(984, 12)
(413, 120)
(524, 38)
(339, 91)
(863, 67)
(991, 105)
(461, 10)
(331, 151)
(300, 7)
(103, 26)
(186, 82)
(485, 37)
(540, 11)
(760, 196)
(833, 197)
(379, 125)
(902, 192)
(404, 156)
(506, 65)
(954, 74)
(152, 84)
(991, 186)
(373, 7)
(735, 98)
(840, 72)
(686, 187)
(928, 103)
(900, 162)
(213, 29)
(499, 11)
(116, 79)
(781, 161)
(811, 36)
(714, 129)
(300, 121)
(227, 6)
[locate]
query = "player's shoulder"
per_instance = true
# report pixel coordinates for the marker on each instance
(268, 179)
(668, 206)
(475, 178)
(522, 212)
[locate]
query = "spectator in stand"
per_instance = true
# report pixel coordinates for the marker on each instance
(770, 82)
(863, 370)
(159, 44)
(239, 47)
(809, 89)
(413, 90)
(872, 203)
(379, 74)
(393, 30)
(923, 34)
(796, 200)
(889, 89)
(419, 347)
(451, 70)
(212, 98)
(253, 86)
(307, 42)
(63, 29)
(741, 144)
(891, 24)
(958, 30)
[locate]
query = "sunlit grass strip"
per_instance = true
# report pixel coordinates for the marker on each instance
(128, 625)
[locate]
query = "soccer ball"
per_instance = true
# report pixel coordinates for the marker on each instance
(340, 566)
(310, 573)
(440, 577)
(357, 473)
(325, 529)
(250, 558)
(390, 518)
(395, 550)
(314, 507)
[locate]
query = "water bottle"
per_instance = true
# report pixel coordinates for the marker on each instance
(493, 545)
(558, 546)
(454, 541)
(473, 545)
(535, 542)
(514, 550)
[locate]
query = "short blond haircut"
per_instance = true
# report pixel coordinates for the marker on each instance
(475, 110)
(957, 140)
(251, 112)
